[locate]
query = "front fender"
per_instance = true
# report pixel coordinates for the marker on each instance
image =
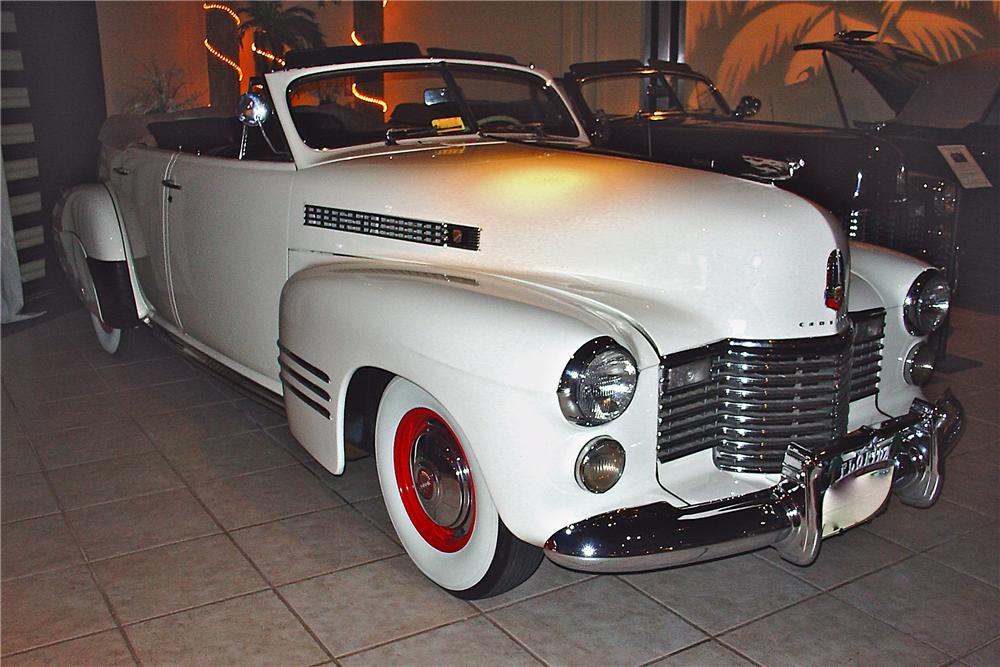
(491, 349)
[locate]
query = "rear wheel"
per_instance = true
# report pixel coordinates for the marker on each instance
(112, 340)
(438, 500)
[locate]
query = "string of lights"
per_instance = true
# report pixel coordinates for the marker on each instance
(210, 6)
(266, 54)
(368, 98)
(354, 87)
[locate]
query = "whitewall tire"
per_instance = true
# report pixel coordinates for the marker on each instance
(438, 501)
(111, 340)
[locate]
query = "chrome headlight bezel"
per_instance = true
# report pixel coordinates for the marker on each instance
(580, 370)
(919, 365)
(923, 310)
(599, 465)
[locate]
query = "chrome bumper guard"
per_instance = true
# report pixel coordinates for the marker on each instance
(787, 516)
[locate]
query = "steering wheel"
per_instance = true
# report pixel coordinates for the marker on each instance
(499, 118)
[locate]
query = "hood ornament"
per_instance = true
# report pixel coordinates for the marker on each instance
(835, 281)
(770, 169)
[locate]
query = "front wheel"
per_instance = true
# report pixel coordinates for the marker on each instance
(112, 340)
(438, 501)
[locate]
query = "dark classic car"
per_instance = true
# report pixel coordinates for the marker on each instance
(946, 120)
(667, 112)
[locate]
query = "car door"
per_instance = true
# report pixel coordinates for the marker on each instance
(228, 254)
(137, 176)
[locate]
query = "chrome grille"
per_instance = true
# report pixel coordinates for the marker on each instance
(866, 352)
(749, 399)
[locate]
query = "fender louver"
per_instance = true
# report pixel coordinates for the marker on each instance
(304, 381)
(392, 227)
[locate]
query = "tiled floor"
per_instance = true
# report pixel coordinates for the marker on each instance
(151, 514)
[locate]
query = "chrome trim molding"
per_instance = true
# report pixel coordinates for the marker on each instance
(910, 315)
(787, 516)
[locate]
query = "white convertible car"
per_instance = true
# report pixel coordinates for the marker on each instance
(617, 364)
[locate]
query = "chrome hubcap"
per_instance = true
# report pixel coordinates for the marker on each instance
(442, 478)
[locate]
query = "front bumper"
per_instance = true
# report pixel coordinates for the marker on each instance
(788, 516)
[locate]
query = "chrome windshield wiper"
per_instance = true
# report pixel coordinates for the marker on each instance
(394, 134)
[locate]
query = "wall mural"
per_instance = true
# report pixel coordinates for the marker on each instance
(747, 47)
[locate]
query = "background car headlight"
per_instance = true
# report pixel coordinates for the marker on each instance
(945, 199)
(600, 465)
(926, 305)
(598, 383)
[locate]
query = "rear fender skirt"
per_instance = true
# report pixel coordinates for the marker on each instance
(113, 286)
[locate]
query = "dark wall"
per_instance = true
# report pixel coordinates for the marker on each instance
(62, 71)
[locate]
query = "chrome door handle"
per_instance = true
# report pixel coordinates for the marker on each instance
(167, 182)
(121, 171)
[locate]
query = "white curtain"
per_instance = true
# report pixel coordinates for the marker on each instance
(10, 270)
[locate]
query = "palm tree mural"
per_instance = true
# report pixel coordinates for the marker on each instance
(765, 32)
(278, 30)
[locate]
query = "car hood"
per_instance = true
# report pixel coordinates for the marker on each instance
(895, 72)
(664, 245)
(762, 128)
(975, 80)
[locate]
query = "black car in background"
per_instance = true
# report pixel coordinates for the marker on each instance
(667, 112)
(945, 119)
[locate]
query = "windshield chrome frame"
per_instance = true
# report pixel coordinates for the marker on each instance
(662, 75)
(465, 111)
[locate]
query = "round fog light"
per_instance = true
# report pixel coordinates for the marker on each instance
(919, 365)
(600, 465)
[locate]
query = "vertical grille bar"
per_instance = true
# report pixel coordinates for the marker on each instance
(749, 399)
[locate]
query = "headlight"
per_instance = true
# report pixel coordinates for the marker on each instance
(919, 365)
(926, 304)
(945, 199)
(598, 383)
(600, 465)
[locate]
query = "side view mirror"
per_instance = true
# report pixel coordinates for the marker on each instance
(748, 106)
(253, 110)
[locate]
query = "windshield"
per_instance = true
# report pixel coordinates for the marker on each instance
(631, 94)
(350, 108)
(862, 102)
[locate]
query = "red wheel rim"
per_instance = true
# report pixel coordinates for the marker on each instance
(413, 424)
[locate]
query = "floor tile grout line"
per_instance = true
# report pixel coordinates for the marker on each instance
(903, 631)
(664, 605)
(410, 635)
(486, 614)
(393, 537)
(127, 416)
(960, 572)
(90, 569)
(14, 522)
(738, 651)
(270, 585)
(826, 589)
(67, 640)
(539, 594)
(702, 642)
(980, 647)
(200, 536)
(162, 456)
(817, 591)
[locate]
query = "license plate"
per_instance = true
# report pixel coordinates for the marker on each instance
(873, 456)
